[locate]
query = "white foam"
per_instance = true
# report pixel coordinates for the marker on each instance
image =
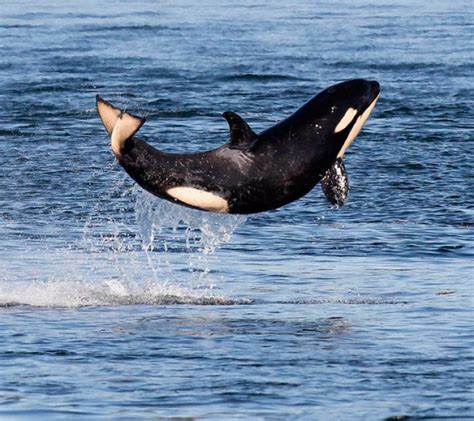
(109, 293)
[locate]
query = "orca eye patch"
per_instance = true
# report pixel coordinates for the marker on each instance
(346, 120)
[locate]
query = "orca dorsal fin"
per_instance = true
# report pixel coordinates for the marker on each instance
(241, 135)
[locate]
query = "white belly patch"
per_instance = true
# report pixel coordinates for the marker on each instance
(199, 199)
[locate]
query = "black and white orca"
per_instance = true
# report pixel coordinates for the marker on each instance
(252, 172)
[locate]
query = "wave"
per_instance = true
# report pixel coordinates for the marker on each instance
(258, 77)
(180, 113)
(127, 28)
(67, 294)
(342, 300)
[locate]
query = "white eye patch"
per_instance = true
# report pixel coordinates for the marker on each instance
(346, 120)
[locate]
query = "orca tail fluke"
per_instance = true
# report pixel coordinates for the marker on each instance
(119, 124)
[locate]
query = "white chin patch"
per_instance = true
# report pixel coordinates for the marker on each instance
(346, 120)
(356, 128)
(199, 199)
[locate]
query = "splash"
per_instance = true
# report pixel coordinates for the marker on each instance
(134, 249)
(155, 242)
(166, 228)
(204, 231)
(73, 294)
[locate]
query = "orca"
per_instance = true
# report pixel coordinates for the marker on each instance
(252, 172)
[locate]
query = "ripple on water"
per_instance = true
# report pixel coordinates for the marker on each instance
(117, 303)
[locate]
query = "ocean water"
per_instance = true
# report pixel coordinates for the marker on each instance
(117, 305)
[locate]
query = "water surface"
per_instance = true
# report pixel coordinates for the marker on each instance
(115, 304)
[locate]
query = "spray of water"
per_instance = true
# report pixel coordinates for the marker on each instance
(134, 249)
(165, 228)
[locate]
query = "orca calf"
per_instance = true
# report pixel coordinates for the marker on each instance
(252, 172)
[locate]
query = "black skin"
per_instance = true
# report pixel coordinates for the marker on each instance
(257, 173)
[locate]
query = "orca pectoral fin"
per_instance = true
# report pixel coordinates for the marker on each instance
(241, 135)
(335, 183)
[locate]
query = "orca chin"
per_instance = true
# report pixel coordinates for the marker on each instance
(252, 172)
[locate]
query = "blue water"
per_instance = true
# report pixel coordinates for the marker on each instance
(114, 304)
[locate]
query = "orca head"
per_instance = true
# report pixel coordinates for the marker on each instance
(345, 107)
